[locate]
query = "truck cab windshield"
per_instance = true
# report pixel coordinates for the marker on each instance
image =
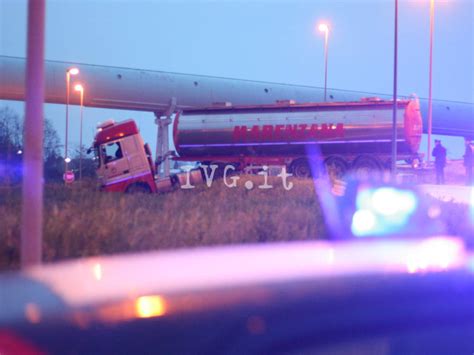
(111, 152)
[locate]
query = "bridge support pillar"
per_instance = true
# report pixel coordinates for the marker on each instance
(163, 120)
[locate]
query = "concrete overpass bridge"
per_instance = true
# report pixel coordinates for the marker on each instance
(147, 90)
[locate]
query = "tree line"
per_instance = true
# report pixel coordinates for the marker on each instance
(11, 151)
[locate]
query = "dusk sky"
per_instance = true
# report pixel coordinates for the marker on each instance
(273, 41)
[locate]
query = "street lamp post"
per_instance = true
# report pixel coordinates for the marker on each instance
(430, 98)
(324, 28)
(394, 109)
(80, 88)
(69, 72)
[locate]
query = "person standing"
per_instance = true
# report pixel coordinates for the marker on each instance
(468, 160)
(439, 152)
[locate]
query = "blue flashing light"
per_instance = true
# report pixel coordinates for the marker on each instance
(363, 222)
(383, 211)
(391, 202)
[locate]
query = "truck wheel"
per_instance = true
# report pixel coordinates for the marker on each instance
(335, 167)
(366, 167)
(300, 168)
(138, 189)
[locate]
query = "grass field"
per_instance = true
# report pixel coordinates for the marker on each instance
(82, 222)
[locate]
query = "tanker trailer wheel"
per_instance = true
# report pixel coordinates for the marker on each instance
(366, 167)
(138, 188)
(335, 167)
(301, 168)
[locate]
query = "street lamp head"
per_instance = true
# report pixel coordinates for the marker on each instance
(323, 27)
(73, 71)
(78, 87)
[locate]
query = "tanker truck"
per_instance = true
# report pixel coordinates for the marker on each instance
(337, 136)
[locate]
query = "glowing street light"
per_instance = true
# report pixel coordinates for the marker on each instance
(69, 72)
(73, 71)
(324, 28)
(80, 89)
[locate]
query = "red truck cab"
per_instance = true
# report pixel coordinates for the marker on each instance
(124, 162)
